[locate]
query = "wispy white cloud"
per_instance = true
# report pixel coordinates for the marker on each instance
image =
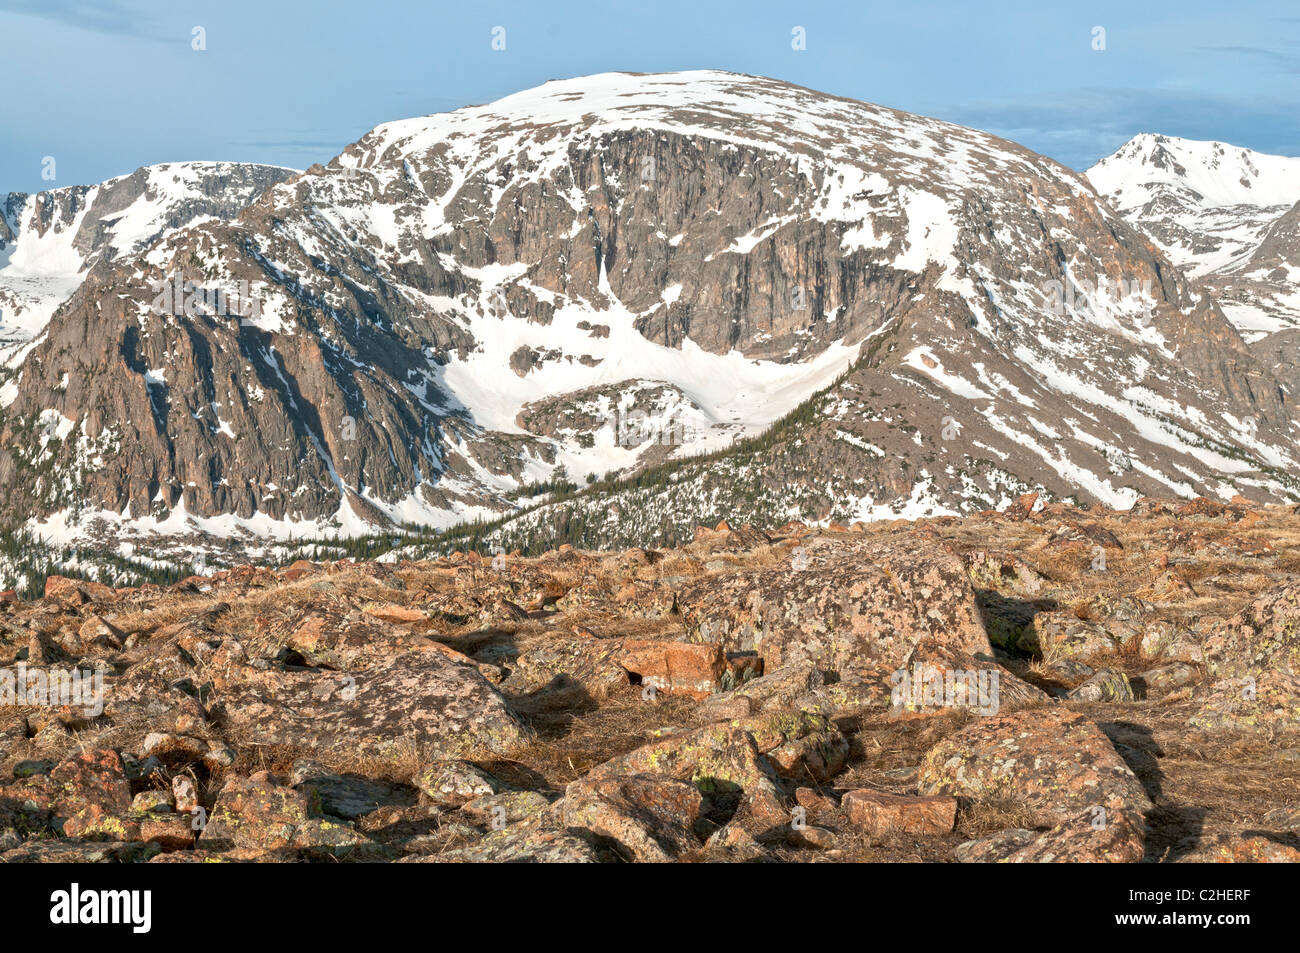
(99, 16)
(1077, 127)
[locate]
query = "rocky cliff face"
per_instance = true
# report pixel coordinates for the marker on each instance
(50, 241)
(461, 305)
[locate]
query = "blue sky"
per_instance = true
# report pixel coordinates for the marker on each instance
(105, 86)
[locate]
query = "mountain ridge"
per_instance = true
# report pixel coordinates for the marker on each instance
(642, 269)
(49, 240)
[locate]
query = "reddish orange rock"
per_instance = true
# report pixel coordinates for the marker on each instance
(307, 635)
(169, 831)
(77, 590)
(880, 813)
(401, 615)
(1022, 507)
(1243, 848)
(1201, 507)
(675, 667)
(58, 587)
(812, 801)
(743, 666)
(297, 569)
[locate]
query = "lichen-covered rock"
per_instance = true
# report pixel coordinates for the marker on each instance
(87, 796)
(79, 852)
(820, 755)
(508, 807)
(711, 758)
(1094, 836)
(994, 847)
(1107, 685)
(1165, 678)
(95, 778)
(340, 637)
(168, 831)
(1065, 635)
(772, 690)
(258, 814)
(880, 813)
(852, 694)
(160, 691)
(1171, 640)
(348, 796)
(936, 676)
(432, 699)
(1264, 635)
(1245, 848)
(869, 609)
(1054, 762)
(587, 661)
(860, 603)
(256, 668)
(724, 763)
(1268, 703)
(184, 795)
(452, 783)
(518, 844)
(1003, 573)
(153, 802)
(652, 817)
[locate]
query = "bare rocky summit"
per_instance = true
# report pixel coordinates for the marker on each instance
(1048, 683)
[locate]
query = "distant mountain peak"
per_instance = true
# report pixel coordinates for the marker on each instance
(1212, 174)
(1226, 214)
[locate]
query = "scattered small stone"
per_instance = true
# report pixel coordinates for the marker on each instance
(881, 814)
(1107, 685)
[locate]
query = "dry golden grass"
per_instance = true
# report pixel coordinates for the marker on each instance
(570, 744)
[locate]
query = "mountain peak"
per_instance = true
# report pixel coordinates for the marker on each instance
(1211, 173)
(743, 110)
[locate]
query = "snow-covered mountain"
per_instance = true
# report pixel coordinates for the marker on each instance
(620, 270)
(1230, 217)
(1217, 210)
(49, 241)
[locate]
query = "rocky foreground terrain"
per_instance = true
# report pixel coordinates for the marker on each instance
(1046, 683)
